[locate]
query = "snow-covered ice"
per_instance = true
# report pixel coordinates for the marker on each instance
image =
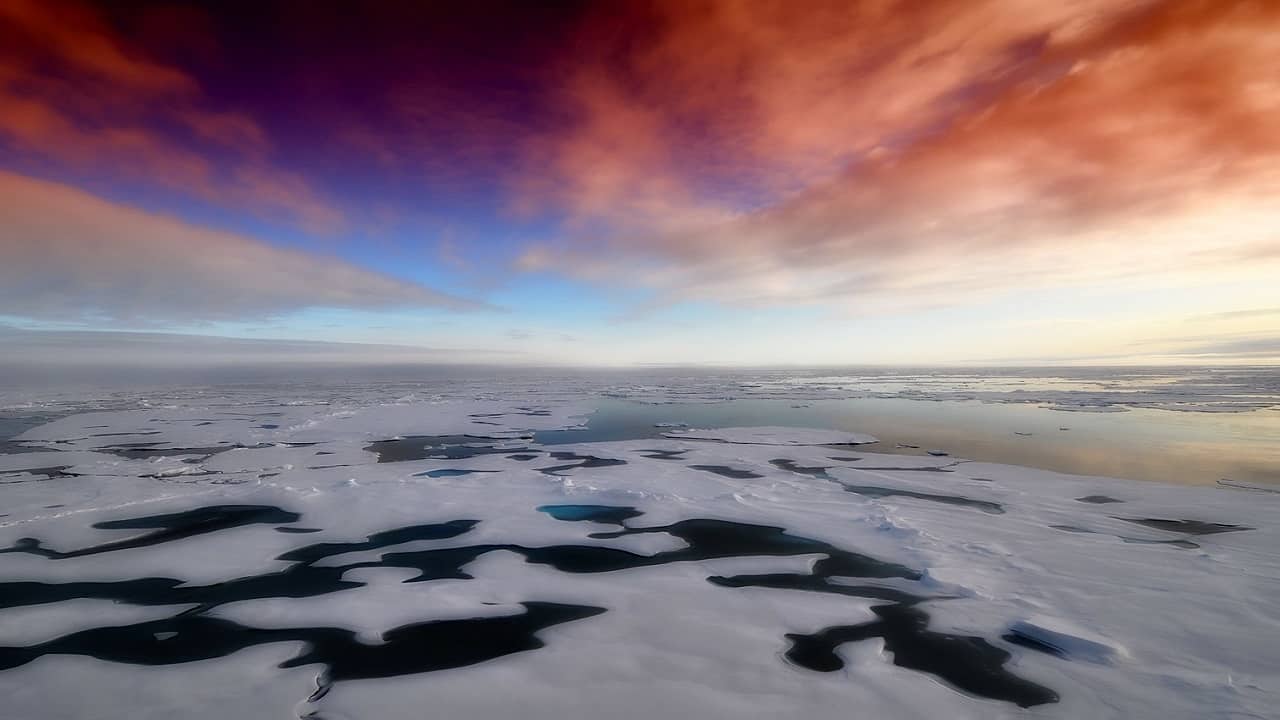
(301, 559)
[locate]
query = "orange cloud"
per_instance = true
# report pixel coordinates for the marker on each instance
(75, 92)
(77, 37)
(878, 152)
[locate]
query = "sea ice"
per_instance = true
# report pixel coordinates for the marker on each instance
(244, 575)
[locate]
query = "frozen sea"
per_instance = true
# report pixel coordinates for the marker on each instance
(450, 542)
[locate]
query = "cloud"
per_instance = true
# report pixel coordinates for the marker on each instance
(68, 255)
(78, 94)
(1252, 347)
(878, 155)
(1249, 314)
(72, 32)
(88, 348)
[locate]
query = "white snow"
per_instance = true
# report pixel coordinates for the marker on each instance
(1143, 628)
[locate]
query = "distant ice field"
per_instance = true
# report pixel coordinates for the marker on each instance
(1179, 425)
(690, 548)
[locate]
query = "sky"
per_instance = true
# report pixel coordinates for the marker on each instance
(743, 182)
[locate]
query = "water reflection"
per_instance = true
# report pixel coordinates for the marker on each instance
(1142, 444)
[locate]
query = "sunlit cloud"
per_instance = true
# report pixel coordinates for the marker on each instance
(888, 155)
(77, 94)
(56, 348)
(666, 180)
(68, 255)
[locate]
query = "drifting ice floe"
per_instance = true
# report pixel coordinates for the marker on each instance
(284, 560)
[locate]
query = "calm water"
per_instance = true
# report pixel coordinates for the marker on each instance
(1155, 427)
(1142, 444)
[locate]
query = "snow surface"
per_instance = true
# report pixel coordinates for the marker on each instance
(1120, 609)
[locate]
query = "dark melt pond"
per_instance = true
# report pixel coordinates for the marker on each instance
(969, 664)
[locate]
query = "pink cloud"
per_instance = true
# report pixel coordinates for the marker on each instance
(77, 93)
(918, 151)
(65, 254)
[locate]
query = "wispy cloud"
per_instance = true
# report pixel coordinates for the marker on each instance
(70, 348)
(1248, 314)
(79, 95)
(66, 255)
(1255, 347)
(918, 153)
